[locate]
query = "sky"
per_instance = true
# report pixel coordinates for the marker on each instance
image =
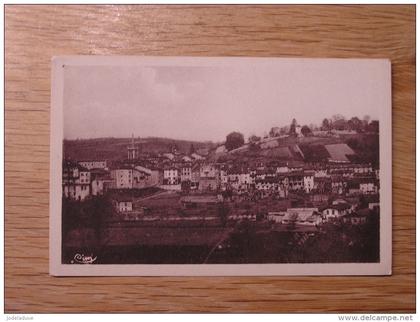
(203, 103)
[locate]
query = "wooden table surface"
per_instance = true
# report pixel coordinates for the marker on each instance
(36, 33)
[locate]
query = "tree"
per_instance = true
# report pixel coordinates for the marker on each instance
(284, 130)
(326, 125)
(254, 139)
(234, 140)
(275, 131)
(340, 124)
(292, 130)
(337, 117)
(306, 131)
(355, 124)
(374, 126)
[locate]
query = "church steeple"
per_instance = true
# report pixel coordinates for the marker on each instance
(132, 150)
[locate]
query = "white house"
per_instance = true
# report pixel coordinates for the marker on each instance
(368, 187)
(224, 178)
(308, 181)
(76, 181)
(171, 176)
(99, 179)
(337, 210)
(124, 205)
(267, 184)
(123, 178)
(186, 173)
(282, 169)
(93, 164)
(186, 158)
(320, 172)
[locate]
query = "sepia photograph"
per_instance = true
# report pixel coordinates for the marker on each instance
(220, 166)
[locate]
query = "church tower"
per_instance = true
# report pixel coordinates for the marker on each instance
(132, 150)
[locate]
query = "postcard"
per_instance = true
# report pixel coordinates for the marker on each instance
(220, 166)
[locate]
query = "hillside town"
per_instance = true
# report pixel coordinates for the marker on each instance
(291, 180)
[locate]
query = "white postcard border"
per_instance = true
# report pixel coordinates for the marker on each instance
(384, 267)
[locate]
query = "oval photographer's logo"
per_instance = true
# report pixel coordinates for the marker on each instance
(83, 259)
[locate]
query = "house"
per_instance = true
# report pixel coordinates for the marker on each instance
(123, 205)
(283, 186)
(338, 185)
(123, 177)
(142, 178)
(276, 216)
(195, 176)
(186, 158)
(93, 164)
(224, 178)
(209, 170)
(154, 175)
(133, 177)
(283, 168)
(296, 182)
(363, 169)
(319, 198)
(186, 172)
(296, 166)
(75, 181)
(341, 170)
(320, 172)
(196, 156)
(302, 217)
(322, 185)
(308, 180)
(267, 184)
(100, 181)
(368, 185)
(209, 177)
(268, 172)
(169, 156)
(336, 210)
(353, 187)
(357, 218)
(171, 176)
(239, 178)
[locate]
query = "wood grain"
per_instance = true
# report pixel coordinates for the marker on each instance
(36, 33)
